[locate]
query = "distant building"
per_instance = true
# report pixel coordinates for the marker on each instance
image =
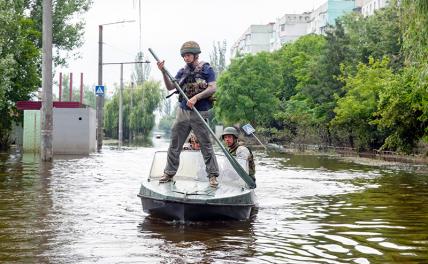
(289, 28)
(370, 6)
(256, 38)
(272, 36)
(327, 13)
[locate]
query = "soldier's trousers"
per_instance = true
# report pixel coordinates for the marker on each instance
(185, 121)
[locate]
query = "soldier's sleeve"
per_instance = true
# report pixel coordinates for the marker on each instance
(179, 74)
(208, 73)
(243, 152)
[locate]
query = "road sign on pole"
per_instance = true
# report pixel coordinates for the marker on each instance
(99, 90)
(249, 129)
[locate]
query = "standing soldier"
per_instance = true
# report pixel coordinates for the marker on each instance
(197, 80)
(230, 136)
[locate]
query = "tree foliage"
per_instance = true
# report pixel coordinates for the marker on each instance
(19, 69)
(67, 30)
(362, 84)
(355, 118)
(140, 117)
(218, 57)
(248, 91)
(402, 110)
(20, 50)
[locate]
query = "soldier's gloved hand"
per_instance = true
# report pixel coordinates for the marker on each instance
(192, 101)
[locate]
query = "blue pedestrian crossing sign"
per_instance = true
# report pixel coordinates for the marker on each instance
(99, 90)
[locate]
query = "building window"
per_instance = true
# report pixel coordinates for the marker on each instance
(282, 27)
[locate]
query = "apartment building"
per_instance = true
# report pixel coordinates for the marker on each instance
(288, 28)
(370, 6)
(327, 13)
(255, 39)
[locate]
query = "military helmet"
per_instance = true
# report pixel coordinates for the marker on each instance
(230, 131)
(190, 47)
(192, 137)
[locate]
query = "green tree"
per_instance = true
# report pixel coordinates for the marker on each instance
(67, 30)
(355, 112)
(402, 111)
(20, 50)
(140, 118)
(414, 17)
(247, 91)
(300, 86)
(218, 57)
(19, 60)
(165, 123)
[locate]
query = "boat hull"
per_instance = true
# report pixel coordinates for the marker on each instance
(190, 197)
(174, 210)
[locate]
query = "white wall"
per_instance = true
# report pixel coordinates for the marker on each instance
(74, 130)
(370, 6)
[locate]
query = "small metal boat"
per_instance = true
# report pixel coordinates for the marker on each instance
(189, 196)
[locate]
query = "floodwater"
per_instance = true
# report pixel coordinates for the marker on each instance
(311, 209)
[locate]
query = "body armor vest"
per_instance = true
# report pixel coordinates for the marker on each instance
(251, 164)
(192, 81)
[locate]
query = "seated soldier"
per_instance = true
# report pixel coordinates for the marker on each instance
(230, 136)
(192, 143)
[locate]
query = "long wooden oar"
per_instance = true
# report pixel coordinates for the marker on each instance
(241, 172)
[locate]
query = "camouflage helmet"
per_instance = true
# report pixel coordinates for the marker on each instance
(190, 47)
(230, 131)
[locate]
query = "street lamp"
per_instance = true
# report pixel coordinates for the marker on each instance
(100, 98)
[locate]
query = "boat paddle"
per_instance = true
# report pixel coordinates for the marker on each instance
(241, 172)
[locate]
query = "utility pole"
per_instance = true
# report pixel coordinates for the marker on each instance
(46, 147)
(100, 98)
(121, 107)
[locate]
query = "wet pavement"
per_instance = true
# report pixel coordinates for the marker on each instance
(311, 209)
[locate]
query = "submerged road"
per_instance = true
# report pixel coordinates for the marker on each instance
(312, 209)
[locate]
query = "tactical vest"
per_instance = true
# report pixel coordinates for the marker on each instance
(251, 163)
(192, 81)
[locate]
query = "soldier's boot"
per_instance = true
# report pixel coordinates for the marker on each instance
(165, 178)
(213, 181)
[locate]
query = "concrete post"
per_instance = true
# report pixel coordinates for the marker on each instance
(121, 107)
(46, 148)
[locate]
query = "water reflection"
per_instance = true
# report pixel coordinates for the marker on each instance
(201, 242)
(25, 207)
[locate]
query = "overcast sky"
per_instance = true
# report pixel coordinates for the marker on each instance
(166, 24)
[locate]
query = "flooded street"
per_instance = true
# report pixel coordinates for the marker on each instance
(312, 209)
